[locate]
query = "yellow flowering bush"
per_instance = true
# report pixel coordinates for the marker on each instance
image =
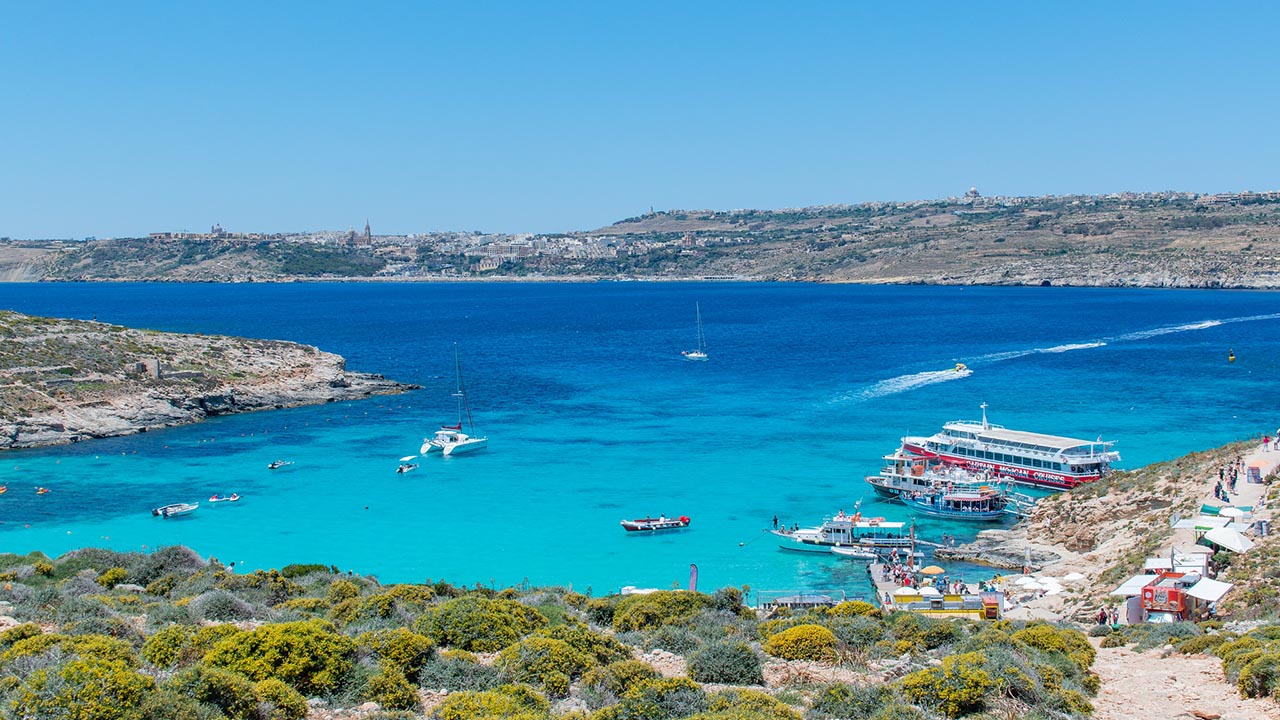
(309, 655)
(803, 642)
(476, 623)
(956, 688)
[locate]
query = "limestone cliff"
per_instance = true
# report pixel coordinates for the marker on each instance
(64, 380)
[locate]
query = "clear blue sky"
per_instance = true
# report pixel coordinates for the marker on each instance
(123, 118)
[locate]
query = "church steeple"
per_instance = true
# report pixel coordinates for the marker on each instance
(367, 234)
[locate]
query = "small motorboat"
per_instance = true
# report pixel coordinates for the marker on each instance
(175, 509)
(650, 524)
(857, 553)
(4, 489)
(407, 467)
(42, 491)
(961, 367)
(233, 497)
(279, 464)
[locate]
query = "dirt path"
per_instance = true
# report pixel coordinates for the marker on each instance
(1142, 686)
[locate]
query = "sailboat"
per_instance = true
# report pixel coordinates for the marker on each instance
(449, 439)
(701, 352)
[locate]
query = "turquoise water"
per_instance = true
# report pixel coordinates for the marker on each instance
(593, 416)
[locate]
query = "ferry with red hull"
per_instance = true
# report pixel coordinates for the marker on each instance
(1049, 461)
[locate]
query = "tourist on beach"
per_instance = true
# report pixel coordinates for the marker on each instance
(1102, 616)
(1266, 441)
(1115, 616)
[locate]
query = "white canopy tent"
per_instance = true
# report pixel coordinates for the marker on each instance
(1230, 539)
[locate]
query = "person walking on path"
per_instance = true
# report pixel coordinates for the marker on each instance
(1102, 616)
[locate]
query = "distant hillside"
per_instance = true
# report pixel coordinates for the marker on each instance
(1127, 239)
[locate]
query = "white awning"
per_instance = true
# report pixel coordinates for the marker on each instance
(1209, 590)
(1201, 521)
(1133, 586)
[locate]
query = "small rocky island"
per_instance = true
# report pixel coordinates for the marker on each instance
(63, 381)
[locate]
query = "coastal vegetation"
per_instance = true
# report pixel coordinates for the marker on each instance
(114, 636)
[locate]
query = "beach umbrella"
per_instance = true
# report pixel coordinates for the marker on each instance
(1231, 512)
(1033, 585)
(929, 592)
(1073, 577)
(905, 590)
(1026, 580)
(932, 570)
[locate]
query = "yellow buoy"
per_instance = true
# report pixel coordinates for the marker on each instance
(1231, 356)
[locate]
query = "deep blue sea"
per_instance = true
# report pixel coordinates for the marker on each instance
(593, 416)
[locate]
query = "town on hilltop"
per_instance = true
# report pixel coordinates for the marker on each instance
(1156, 239)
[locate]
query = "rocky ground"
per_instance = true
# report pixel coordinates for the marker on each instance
(1165, 684)
(64, 381)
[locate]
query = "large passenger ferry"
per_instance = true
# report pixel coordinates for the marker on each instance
(1023, 457)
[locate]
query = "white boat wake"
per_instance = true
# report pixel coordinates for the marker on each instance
(904, 383)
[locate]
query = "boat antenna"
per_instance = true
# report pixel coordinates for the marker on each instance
(462, 392)
(985, 426)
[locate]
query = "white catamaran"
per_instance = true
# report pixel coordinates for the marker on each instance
(701, 352)
(449, 439)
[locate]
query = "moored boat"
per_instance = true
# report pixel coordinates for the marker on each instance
(868, 534)
(277, 464)
(233, 497)
(175, 509)
(983, 503)
(1018, 456)
(449, 439)
(661, 522)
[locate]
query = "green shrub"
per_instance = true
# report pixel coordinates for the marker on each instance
(169, 704)
(231, 692)
(1114, 640)
(1200, 644)
(658, 699)
(744, 704)
(601, 648)
(164, 648)
(543, 661)
(305, 604)
(81, 689)
(299, 570)
(1258, 676)
(309, 655)
(458, 674)
(401, 649)
(220, 606)
(957, 688)
(841, 700)
(618, 677)
(20, 632)
(390, 689)
(678, 640)
(476, 623)
(281, 701)
(731, 662)
(664, 607)
(112, 577)
(854, 608)
(803, 642)
(1072, 643)
(508, 702)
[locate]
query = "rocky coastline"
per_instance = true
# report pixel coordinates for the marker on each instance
(65, 381)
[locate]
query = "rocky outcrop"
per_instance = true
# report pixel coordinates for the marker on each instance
(63, 381)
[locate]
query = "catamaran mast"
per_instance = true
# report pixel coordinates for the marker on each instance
(462, 391)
